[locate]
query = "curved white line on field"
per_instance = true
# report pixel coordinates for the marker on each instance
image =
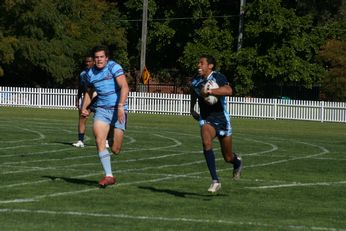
(41, 136)
(295, 184)
(273, 148)
(131, 140)
(323, 152)
(21, 200)
(167, 219)
(175, 141)
(86, 139)
(38, 153)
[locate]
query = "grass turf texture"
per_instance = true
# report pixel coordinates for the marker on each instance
(294, 176)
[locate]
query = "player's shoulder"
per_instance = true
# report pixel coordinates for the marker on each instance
(217, 74)
(197, 79)
(115, 68)
(112, 64)
(219, 78)
(84, 72)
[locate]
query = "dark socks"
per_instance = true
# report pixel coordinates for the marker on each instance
(81, 136)
(210, 159)
(236, 162)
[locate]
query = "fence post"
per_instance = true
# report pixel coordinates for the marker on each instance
(322, 111)
(181, 103)
(134, 98)
(39, 97)
(275, 108)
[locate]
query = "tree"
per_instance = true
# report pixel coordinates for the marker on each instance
(174, 24)
(45, 40)
(279, 47)
(212, 39)
(333, 55)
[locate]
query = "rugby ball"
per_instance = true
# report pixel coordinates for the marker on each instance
(211, 99)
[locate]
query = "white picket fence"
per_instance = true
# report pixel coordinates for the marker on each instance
(179, 104)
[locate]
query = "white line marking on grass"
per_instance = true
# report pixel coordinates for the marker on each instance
(132, 140)
(42, 152)
(176, 165)
(21, 200)
(159, 179)
(18, 201)
(32, 169)
(176, 144)
(274, 148)
(24, 183)
(116, 172)
(165, 219)
(328, 158)
(37, 198)
(41, 136)
(298, 185)
(324, 151)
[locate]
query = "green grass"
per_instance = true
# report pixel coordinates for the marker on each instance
(294, 176)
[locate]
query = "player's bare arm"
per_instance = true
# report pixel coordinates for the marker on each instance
(124, 91)
(86, 101)
(225, 90)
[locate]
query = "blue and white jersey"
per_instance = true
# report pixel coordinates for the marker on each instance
(216, 114)
(104, 83)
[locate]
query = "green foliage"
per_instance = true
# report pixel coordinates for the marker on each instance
(209, 39)
(49, 38)
(45, 40)
(285, 47)
(333, 55)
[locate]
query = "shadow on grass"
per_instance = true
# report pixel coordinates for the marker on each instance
(182, 193)
(71, 144)
(64, 143)
(74, 180)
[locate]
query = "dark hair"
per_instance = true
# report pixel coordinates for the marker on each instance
(210, 60)
(88, 56)
(100, 48)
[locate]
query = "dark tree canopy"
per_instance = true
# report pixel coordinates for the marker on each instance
(286, 42)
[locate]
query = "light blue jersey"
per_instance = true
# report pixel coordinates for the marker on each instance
(104, 83)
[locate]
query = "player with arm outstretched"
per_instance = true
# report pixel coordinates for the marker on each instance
(214, 119)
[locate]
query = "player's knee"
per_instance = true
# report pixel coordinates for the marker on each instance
(116, 150)
(207, 145)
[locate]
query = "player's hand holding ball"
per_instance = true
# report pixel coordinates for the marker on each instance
(207, 92)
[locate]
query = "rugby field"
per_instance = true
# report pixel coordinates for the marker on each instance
(294, 176)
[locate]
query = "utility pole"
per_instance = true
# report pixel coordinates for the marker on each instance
(241, 24)
(144, 36)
